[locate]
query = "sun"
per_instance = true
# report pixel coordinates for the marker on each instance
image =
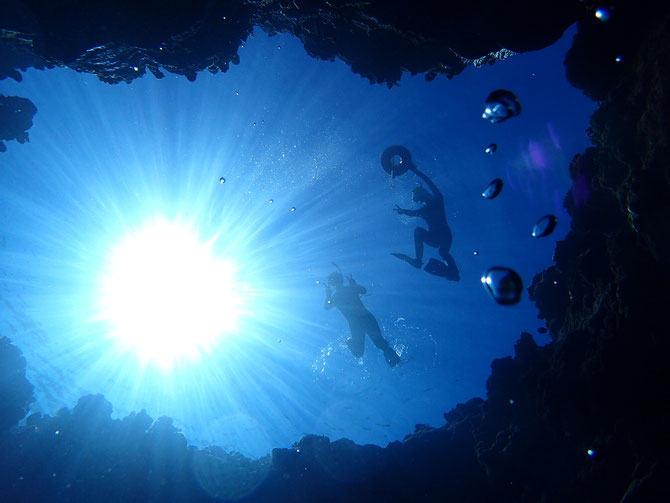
(165, 295)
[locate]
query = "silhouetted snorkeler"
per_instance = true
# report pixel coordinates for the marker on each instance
(361, 321)
(438, 234)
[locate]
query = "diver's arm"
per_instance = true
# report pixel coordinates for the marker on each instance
(403, 211)
(360, 290)
(428, 181)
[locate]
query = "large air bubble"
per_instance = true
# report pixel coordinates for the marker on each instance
(500, 106)
(503, 284)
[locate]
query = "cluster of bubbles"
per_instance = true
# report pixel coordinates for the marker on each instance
(502, 283)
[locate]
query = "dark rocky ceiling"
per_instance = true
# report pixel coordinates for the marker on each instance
(379, 39)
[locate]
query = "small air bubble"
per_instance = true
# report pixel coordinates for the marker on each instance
(475, 252)
(544, 226)
(603, 14)
(491, 148)
(222, 180)
(237, 93)
(136, 69)
(271, 201)
(293, 208)
(618, 59)
(591, 453)
(493, 189)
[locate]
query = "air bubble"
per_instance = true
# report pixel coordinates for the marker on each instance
(271, 201)
(603, 14)
(500, 106)
(222, 180)
(493, 189)
(503, 284)
(293, 208)
(544, 226)
(491, 148)
(475, 252)
(591, 453)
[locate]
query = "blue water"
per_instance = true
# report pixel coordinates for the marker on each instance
(102, 160)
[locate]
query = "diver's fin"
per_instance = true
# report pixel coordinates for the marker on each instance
(437, 268)
(414, 262)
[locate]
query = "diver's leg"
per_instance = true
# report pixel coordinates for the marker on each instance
(452, 271)
(375, 333)
(420, 235)
(356, 342)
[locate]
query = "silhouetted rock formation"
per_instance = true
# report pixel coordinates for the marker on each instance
(378, 39)
(16, 393)
(16, 117)
(583, 419)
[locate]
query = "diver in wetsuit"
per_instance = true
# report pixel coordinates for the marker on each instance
(438, 234)
(361, 321)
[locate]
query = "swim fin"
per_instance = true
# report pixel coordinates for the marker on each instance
(414, 262)
(437, 268)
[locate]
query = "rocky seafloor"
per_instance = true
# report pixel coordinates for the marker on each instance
(584, 418)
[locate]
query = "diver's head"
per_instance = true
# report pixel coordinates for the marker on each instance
(420, 195)
(335, 279)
